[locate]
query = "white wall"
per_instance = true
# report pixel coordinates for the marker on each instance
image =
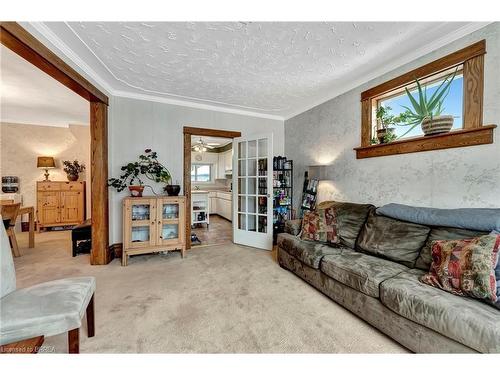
(460, 177)
(21, 144)
(135, 125)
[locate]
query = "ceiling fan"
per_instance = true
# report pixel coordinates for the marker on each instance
(202, 146)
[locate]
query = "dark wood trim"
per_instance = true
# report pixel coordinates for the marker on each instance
(366, 121)
(14, 37)
(473, 92)
(458, 138)
(74, 341)
(100, 253)
(188, 132)
(187, 186)
(90, 318)
(204, 132)
(28, 346)
(436, 66)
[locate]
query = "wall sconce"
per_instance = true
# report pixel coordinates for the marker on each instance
(318, 172)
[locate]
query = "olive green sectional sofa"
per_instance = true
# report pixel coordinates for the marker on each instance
(375, 272)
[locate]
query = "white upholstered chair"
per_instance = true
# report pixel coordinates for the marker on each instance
(46, 309)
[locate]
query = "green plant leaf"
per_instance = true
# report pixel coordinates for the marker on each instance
(414, 103)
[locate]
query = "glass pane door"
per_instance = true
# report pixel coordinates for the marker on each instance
(169, 218)
(252, 188)
(142, 219)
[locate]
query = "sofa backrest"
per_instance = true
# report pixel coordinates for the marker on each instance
(350, 218)
(393, 239)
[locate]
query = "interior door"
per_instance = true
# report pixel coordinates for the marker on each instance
(252, 187)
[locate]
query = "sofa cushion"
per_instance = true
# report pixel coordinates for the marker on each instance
(293, 227)
(350, 219)
(393, 239)
(468, 321)
(424, 260)
(320, 225)
(307, 252)
(360, 271)
(465, 267)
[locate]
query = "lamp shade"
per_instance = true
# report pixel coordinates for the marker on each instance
(318, 172)
(45, 162)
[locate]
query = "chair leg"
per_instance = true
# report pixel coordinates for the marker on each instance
(74, 341)
(90, 318)
(13, 243)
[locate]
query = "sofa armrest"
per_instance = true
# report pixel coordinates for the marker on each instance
(293, 227)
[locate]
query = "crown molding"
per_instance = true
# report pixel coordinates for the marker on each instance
(192, 104)
(387, 68)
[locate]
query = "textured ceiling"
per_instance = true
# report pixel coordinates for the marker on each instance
(274, 68)
(29, 96)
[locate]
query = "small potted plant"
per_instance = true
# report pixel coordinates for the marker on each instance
(129, 178)
(73, 169)
(385, 133)
(157, 172)
(427, 112)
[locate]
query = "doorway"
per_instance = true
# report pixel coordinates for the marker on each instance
(194, 190)
(17, 39)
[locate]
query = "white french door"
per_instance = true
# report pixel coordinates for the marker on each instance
(252, 191)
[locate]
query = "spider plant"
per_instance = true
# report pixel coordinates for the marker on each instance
(424, 107)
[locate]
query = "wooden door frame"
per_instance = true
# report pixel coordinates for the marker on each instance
(204, 132)
(17, 39)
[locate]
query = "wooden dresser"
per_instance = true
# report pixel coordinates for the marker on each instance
(153, 224)
(60, 203)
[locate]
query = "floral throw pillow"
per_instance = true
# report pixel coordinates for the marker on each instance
(320, 225)
(465, 267)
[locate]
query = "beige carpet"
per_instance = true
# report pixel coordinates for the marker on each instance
(218, 299)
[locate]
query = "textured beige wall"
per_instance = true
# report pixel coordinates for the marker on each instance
(21, 144)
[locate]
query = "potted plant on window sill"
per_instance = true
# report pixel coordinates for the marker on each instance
(386, 133)
(427, 112)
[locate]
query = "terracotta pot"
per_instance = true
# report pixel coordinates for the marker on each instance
(72, 177)
(437, 125)
(136, 190)
(172, 190)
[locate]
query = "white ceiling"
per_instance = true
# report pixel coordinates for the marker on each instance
(272, 69)
(29, 96)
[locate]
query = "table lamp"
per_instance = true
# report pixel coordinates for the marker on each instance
(45, 162)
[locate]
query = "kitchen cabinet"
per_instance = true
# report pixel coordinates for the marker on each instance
(225, 205)
(212, 197)
(225, 163)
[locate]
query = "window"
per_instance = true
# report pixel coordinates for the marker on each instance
(396, 100)
(463, 101)
(201, 172)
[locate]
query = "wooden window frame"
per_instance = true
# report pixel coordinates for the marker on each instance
(473, 132)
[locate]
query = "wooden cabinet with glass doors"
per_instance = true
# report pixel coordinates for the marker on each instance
(153, 224)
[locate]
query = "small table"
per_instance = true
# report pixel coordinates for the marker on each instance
(81, 232)
(30, 211)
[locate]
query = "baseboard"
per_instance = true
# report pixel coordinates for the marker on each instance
(116, 250)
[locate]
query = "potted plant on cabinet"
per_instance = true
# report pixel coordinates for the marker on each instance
(427, 112)
(157, 172)
(130, 175)
(73, 169)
